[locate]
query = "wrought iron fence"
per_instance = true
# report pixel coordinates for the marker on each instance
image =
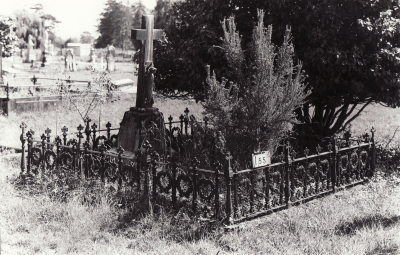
(224, 192)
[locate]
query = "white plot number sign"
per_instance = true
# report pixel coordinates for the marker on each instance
(261, 159)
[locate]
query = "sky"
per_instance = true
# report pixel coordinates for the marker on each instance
(76, 16)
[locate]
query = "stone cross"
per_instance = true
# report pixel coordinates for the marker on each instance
(1, 64)
(145, 37)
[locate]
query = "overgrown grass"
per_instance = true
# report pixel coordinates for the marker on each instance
(361, 220)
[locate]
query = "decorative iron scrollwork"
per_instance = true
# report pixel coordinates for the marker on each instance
(66, 159)
(36, 155)
(50, 158)
(354, 160)
(204, 192)
(187, 187)
(164, 181)
(363, 159)
(343, 162)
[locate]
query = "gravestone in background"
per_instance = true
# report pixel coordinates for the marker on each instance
(30, 55)
(138, 119)
(70, 60)
(92, 56)
(110, 57)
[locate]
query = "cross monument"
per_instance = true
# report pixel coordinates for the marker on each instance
(144, 39)
(139, 118)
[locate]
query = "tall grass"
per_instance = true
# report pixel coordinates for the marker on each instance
(361, 220)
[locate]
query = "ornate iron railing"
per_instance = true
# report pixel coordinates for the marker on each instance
(224, 192)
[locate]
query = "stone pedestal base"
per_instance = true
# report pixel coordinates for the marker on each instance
(135, 127)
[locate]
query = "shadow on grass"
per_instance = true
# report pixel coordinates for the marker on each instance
(174, 221)
(350, 228)
(383, 250)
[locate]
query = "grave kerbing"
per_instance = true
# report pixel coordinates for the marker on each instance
(139, 118)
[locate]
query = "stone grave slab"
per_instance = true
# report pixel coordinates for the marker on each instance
(123, 83)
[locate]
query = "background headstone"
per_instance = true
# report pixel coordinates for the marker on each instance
(50, 51)
(44, 47)
(70, 60)
(30, 55)
(110, 57)
(92, 56)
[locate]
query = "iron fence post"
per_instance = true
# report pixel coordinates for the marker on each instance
(79, 149)
(23, 140)
(288, 163)
(86, 157)
(74, 157)
(48, 132)
(182, 119)
(252, 191)
(108, 125)
(216, 166)
(30, 142)
(102, 163)
(94, 145)
(372, 171)
(282, 179)
(195, 174)
(43, 159)
(186, 121)
(64, 131)
(154, 158)
(87, 129)
(335, 164)
(120, 151)
(317, 170)
(147, 147)
(267, 188)
(58, 142)
(228, 180)
(306, 151)
(235, 193)
(174, 164)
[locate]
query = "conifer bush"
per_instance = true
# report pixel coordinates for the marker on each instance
(255, 111)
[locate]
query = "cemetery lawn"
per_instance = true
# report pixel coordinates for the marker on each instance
(361, 220)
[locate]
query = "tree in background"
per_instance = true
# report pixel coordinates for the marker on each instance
(7, 35)
(116, 22)
(161, 13)
(191, 34)
(34, 24)
(86, 37)
(350, 51)
(272, 89)
(70, 40)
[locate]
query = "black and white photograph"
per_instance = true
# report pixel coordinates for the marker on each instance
(205, 127)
